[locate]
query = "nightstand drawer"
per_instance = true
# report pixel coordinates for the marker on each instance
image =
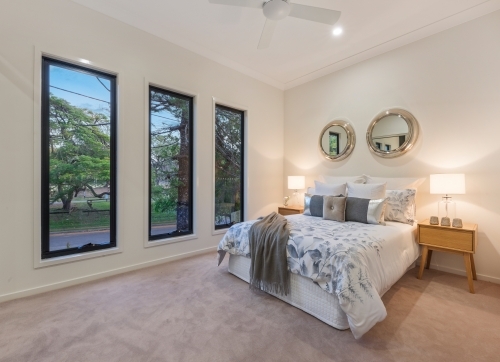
(447, 238)
(289, 211)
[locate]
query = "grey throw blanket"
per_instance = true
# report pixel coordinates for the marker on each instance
(269, 269)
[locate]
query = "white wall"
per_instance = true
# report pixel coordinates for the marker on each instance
(451, 83)
(70, 30)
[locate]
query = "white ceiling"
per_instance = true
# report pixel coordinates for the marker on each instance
(300, 50)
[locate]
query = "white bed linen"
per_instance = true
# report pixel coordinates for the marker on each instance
(304, 294)
(358, 262)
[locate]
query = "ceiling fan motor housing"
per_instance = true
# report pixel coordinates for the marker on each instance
(277, 9)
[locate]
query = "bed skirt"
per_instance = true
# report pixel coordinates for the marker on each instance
(304, 295)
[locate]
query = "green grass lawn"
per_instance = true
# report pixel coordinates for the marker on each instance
(84, 219)
(159, 218)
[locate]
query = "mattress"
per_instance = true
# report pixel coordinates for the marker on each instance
(304, 295)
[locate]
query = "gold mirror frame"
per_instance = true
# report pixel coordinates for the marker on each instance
(350, 143)
(410, 141)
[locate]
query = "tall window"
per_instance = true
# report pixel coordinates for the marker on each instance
(78, 159)
(228, 166)
(170, 164)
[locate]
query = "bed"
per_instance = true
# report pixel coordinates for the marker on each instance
(339, 270)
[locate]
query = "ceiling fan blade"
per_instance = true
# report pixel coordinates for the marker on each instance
(320, 15)
(267, 34)
(258, 4)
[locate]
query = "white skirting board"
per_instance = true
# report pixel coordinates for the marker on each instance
(304, 295)
(446, 269)
(88, 278)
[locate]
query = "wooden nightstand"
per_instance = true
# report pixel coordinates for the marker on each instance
(451, 240)
(290, 210)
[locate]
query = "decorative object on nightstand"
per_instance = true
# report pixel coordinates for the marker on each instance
(447, 184)
(457, 223)
(450, 240)
(434, 220)
(285, 200)
(296, 183)
(290, 210)
(445, 221)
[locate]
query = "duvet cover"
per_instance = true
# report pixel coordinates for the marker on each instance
(357, 262)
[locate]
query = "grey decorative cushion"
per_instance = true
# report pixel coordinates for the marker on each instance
(401, 206)
(334, 208)
(313, 205)
(365, 210)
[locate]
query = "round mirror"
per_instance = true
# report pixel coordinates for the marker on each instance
(392, 133)
(337, 140)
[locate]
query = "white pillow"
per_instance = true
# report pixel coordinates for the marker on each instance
(329, 189)
(344, 179)
(400, 206)
(311, 191)
(396, 183)
(366, 191)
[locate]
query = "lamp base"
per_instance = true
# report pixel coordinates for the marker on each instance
(447, 208)
(294, 199)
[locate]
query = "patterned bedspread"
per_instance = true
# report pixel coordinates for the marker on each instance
(348, 259)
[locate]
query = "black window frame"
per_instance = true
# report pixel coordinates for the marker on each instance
(242, 171)
(190, 99)
(45, 162)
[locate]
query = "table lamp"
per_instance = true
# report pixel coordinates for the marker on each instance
(296, 183)
(447, 184)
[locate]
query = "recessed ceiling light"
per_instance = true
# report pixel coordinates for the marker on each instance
(337, 31)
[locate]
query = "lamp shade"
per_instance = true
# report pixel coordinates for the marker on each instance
(296, 182)
(448, 184)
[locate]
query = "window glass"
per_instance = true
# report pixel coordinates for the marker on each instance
(171, 164)
(228, 166)
(78, 159)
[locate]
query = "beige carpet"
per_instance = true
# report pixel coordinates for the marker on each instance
(190, 310)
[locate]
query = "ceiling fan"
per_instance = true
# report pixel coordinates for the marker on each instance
(275, 10)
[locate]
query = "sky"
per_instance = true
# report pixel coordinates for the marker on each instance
(162, 119)
(83, 83)
(89, 86)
